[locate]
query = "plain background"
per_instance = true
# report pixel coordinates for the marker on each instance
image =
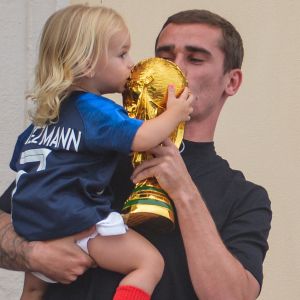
(259, 128)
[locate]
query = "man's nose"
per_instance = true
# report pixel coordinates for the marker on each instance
(180, 62)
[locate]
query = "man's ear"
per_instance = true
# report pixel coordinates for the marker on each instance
(234, 81)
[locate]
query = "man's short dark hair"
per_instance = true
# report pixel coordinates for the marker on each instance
(231, 45)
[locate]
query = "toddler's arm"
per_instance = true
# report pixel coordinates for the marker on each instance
(155, 131)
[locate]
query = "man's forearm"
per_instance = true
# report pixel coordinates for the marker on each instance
(61, 259)
(215, 273)
(13, 249)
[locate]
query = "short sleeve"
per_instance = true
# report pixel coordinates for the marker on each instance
(5, 198)
(245, 235)
(107, 124)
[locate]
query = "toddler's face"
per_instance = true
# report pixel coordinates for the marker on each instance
(111, 74)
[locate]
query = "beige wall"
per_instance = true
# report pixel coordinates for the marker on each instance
(258, 131)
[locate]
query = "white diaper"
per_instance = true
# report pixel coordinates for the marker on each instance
(112, 225)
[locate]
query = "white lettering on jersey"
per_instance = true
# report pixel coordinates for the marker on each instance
(58, 137)
(55, 140)
(46, 139)
(32, 138)
(63, 138)
(73, 140)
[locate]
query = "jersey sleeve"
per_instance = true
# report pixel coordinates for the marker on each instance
(107, 125)
(245, 235)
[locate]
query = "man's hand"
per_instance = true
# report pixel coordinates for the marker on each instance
(61, 259)
(169, 169)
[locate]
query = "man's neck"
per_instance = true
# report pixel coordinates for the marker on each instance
(195, 132)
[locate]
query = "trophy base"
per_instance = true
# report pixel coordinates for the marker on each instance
(150, 207)
(149, 221)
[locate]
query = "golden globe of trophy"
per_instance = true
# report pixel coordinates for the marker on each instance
(145, 97)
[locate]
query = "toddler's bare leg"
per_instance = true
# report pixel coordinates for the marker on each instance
(34, 288)
(129, 254)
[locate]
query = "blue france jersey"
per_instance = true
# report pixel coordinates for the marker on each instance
(64, 168)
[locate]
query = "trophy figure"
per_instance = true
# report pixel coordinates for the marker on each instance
(145, 97)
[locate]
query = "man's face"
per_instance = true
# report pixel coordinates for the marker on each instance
(195, 49)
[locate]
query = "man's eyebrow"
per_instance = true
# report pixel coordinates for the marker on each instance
(166, 48)
(195, 49)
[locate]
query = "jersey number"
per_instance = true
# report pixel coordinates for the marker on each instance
(33, 155)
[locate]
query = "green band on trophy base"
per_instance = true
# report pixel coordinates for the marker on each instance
(146, 201)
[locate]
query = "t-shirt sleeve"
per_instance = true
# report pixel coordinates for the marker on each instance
(5, 198)
(245, 235)
(107, 125)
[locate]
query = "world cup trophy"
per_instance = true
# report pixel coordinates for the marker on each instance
(145, 97)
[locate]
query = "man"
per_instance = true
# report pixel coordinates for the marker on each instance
(220, 240)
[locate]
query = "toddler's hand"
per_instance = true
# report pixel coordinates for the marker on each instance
(181, 106)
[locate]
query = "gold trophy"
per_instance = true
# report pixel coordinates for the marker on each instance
(145, 97)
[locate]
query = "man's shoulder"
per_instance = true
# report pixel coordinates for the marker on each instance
(247, 194)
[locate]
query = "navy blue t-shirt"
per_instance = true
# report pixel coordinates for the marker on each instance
(64, 168)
